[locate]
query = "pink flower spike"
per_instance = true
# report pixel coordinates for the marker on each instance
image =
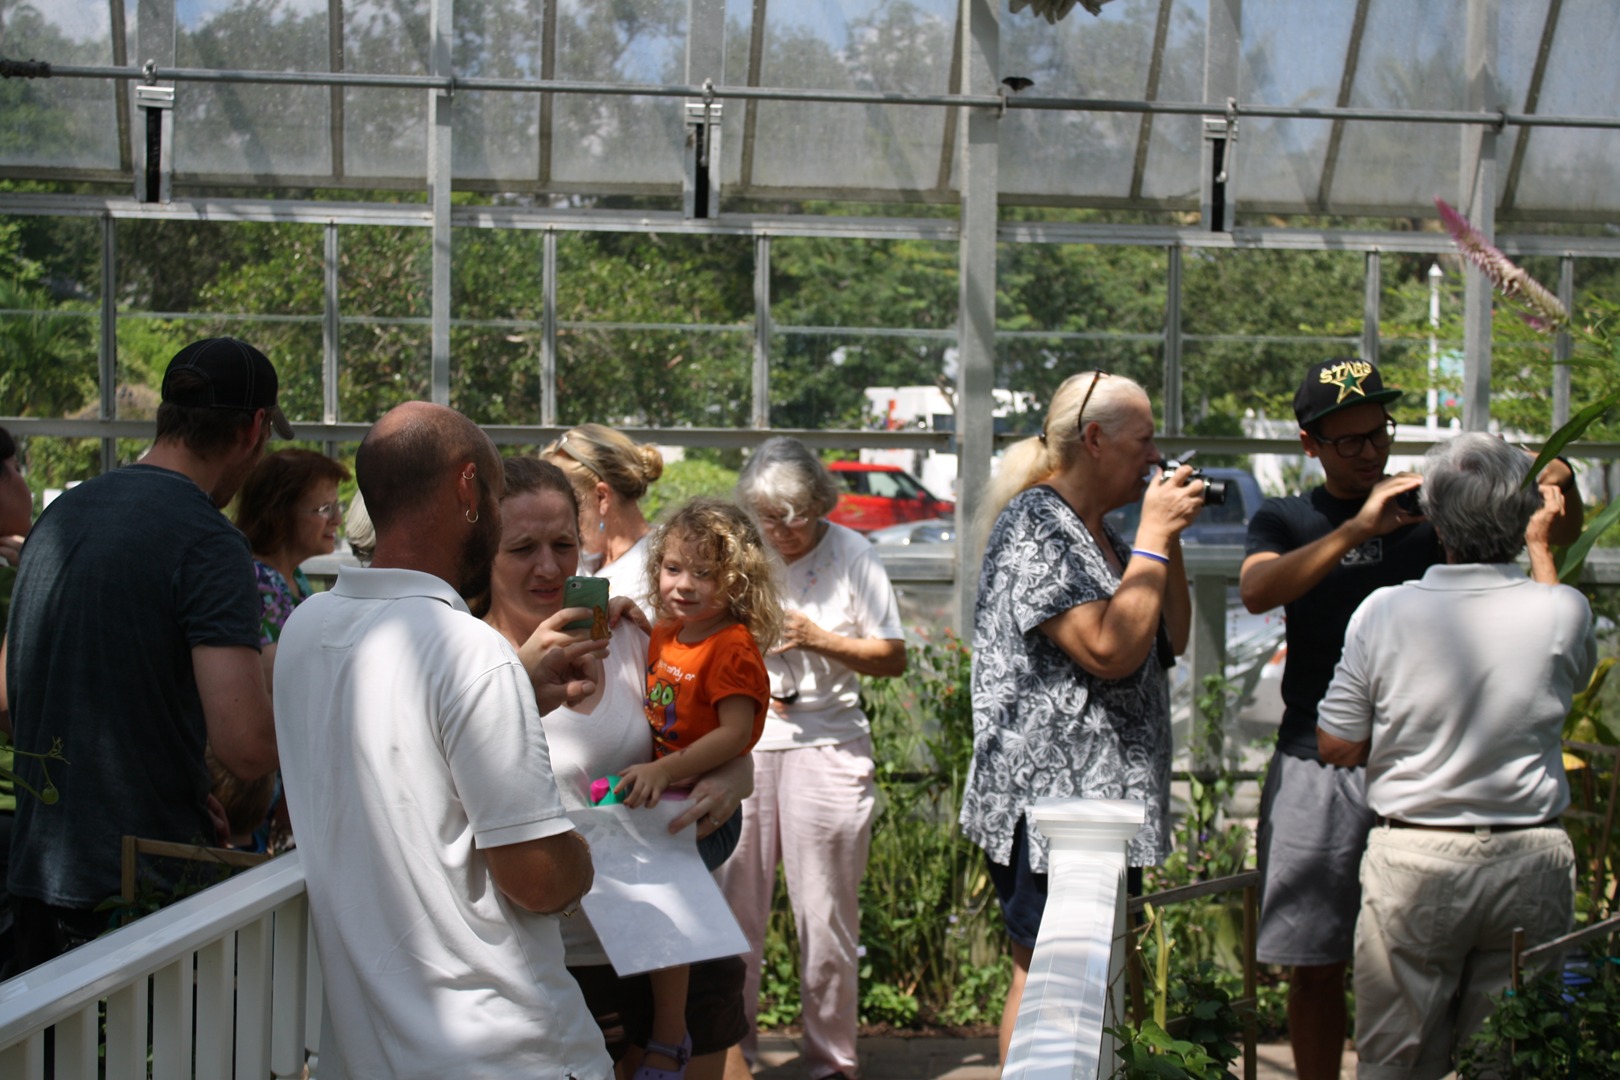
(1547, 312)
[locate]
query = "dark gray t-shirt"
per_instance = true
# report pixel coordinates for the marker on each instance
(120, 578)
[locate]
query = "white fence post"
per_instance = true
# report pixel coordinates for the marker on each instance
(1076, 977)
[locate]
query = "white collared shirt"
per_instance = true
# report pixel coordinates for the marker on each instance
(1462, 680)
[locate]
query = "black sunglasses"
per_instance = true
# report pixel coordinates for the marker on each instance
(1079, 417)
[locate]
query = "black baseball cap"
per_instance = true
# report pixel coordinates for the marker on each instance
(232, 375)
(1331, 385)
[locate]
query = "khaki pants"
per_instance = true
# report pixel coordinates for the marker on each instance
(1435, 937)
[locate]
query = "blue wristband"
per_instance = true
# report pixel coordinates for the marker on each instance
(1154, 555)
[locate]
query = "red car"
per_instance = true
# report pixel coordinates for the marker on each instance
(877, 496)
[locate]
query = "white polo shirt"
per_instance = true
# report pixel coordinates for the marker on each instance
(1462, 680)
(409, 740)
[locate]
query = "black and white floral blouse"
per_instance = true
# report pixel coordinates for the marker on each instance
(1042, 725)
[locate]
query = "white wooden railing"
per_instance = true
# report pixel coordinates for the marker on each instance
(224, 983)
(1076, 981)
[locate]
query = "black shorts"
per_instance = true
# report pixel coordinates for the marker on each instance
(1022, 891)
(623, 1008)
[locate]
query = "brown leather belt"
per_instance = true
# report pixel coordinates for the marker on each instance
(1396, 823)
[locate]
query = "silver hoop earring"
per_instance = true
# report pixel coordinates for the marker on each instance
(471, 516)
(468, 475)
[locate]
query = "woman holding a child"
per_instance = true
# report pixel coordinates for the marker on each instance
(539, 551)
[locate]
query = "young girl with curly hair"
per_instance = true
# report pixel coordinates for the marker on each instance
(718, 600)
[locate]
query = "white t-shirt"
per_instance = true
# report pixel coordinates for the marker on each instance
(1462, 680)
(627, 576)
(409, 741)
(588, 745)
(840, 586)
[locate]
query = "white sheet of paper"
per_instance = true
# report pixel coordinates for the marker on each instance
(653, 904)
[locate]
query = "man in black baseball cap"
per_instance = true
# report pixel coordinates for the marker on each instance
(225, 373)
(1318, 555)
(133, 644)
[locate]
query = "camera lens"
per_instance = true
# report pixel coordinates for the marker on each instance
(1215, 493)
(1407, 502)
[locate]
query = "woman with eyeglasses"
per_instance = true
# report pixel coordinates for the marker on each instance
(1072, 637)
(813, 774)
(610, 474)
(289, 512)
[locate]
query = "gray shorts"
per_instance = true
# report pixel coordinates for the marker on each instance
(1313, 830)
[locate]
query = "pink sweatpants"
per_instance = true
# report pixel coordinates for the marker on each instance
(811, 811)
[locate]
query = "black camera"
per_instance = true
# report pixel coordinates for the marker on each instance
(1214, 490)
(1407, 503)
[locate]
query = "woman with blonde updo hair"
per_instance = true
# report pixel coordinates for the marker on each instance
(610, 473)
(1072, 637)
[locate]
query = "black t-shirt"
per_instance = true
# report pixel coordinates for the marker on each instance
(1316, 622)
(120, 578)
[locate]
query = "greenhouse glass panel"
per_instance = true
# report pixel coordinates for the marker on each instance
(1567, 170)
(384, 299)
(47, 355)
(259, 282)
(664, 377)
(1293, 54)
(1253, 320)
(1072, 154)
(1037, 364)
(819, 377)
(1412, 57)
(1081, 288)
(385, 131)
(59, 123)
(497, 134)
(849, 45)
(495, 335)
(239, 129)
(383, 363)
(609, 139)
(1175, 150)
(1519, 31)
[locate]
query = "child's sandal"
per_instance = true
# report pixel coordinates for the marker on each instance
(679, 1054)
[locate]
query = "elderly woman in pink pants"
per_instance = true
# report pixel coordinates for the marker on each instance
(811, 810)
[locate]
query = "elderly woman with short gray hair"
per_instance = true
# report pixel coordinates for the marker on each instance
(1453, 690)
(811, 810)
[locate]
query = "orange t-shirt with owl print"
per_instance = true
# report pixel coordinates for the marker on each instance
(685, 683)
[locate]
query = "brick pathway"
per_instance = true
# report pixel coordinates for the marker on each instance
(968, 1059)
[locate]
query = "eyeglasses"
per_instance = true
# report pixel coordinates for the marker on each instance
(1079, 426)
(326, 510)
(1351, 445)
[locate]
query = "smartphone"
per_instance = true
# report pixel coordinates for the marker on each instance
(591, 592)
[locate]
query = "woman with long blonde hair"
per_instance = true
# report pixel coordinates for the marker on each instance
(1072, 636)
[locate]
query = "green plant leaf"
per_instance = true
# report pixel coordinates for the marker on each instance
(1575, 555)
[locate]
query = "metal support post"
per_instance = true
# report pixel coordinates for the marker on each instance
(440, 145)
(761, 417)
(331, 330)
(153, 121)
(1478, 196)
(548, 328)
(1371, 307)
(1223, 54)
(976, 314)
(1172, 341)
(1563, 346)
(107, 347)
